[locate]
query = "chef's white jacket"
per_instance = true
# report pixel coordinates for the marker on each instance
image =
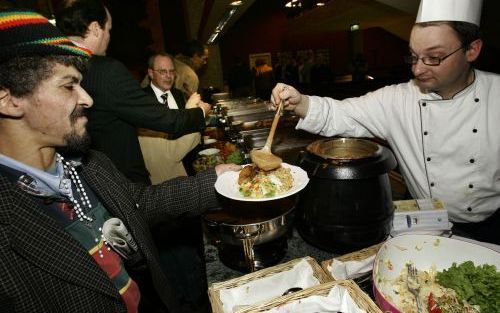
(446, 149)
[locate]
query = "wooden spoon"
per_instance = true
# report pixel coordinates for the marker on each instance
(263, 158)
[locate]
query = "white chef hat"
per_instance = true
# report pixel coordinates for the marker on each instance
(450, 10)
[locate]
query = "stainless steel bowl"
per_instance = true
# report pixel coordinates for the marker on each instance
(261, 228)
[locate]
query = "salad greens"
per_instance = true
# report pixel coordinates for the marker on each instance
(236, 157)
(478, 285)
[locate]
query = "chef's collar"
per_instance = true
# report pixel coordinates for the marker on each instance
(461, 93)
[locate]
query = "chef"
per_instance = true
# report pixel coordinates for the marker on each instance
(442, 125)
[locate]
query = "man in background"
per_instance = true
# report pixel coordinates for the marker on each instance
(177, 157)
(162, 74)
(263, 79)
(240, 79)
(120, 105)
(188, 63)
(180, 241)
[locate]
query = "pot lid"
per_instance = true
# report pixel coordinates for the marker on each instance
(344, 149)
(346, 158)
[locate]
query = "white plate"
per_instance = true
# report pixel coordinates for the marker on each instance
(227, 184)
(425, 252)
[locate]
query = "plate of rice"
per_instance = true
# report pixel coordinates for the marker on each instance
(253, 184)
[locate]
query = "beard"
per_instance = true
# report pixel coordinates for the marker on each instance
(76, 144)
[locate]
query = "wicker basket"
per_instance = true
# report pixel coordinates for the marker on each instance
(359, 297)
(215, 288)
(353, 256)
(365, 281)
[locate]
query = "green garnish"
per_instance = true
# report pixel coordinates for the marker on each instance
(478, 285)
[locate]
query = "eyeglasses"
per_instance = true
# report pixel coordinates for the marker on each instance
(165, 72)
(432, 61)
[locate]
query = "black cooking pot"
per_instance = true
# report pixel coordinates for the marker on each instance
(347, 204)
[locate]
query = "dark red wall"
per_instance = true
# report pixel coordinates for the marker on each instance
(269, 32)
(254, 33)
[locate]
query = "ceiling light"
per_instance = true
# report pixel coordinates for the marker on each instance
(222, 23)
(213, 37)
(293, 4)
(236, 3)
(320, 4)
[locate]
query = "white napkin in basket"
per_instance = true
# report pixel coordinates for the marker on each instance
(300, 275)
(351, 269)
(338, 300)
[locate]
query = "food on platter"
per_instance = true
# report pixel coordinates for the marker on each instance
(206, 159)
(228, 186)
(256, 183)
(236, 157)
(471, 265)
(464, 288)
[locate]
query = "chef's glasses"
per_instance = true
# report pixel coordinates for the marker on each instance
(432, 61)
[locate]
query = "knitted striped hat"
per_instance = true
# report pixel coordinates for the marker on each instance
(27, 33)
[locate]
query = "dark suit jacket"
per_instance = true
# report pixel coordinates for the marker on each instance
(44, 269)
(178, 96)
(181, 103)
(120, 107)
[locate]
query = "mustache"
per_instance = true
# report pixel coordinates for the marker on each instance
(77, 112)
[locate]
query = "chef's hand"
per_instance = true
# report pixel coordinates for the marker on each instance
(222, 168)
(293, 100)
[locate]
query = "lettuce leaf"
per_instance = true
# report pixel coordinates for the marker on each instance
(478, 285)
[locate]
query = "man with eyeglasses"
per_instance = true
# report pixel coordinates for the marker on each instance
(167, 164)
(120, 104)
(442, 124)
(162, 74)
(180, 241)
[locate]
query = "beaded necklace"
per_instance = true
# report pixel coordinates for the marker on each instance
(83, 203)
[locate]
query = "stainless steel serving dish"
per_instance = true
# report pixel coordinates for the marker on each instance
(250, 235)
(246, 220)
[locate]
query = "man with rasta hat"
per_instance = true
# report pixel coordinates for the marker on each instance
(442, 124)
(73, 230)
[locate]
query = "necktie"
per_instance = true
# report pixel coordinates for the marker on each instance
(165, 98)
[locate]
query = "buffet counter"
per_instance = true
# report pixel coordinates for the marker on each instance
(348, 177)
(244, 125)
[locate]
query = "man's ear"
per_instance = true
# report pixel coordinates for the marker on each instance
(94, 29)
(473, 50)
(150, 73)
(9, 105)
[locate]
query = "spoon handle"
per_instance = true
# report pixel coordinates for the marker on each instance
(269, 140)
